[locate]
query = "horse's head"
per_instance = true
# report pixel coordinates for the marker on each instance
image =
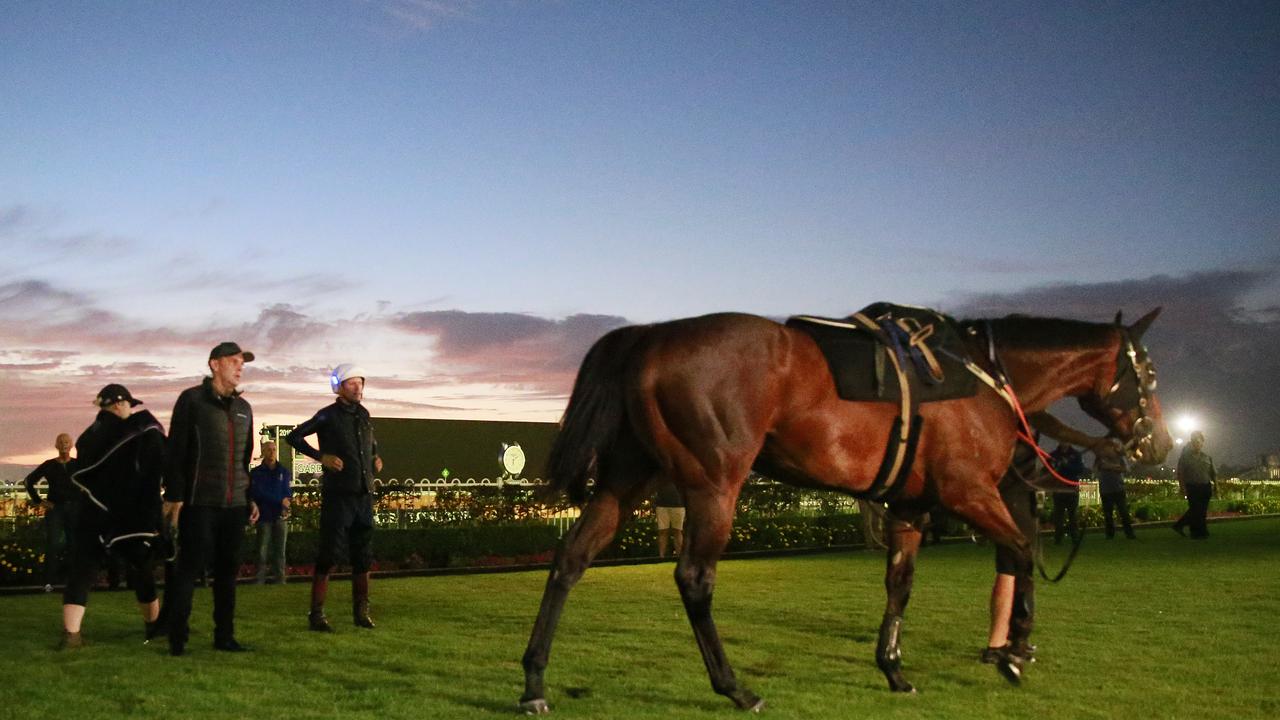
(1128, 405)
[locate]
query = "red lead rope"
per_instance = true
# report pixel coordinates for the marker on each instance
(1025, 435)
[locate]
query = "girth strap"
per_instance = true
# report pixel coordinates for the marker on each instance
(900, 436)
(905, 430)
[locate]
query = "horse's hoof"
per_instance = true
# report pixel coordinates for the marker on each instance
(536, 706)
(1011, 671)
(903, 687)
(758, 707)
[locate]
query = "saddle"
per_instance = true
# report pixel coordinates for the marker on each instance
(898, 354)
(857, 347)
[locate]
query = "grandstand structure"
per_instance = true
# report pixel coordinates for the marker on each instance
(439, 451)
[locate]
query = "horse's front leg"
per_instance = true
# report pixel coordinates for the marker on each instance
(590, 534)
(904, 542)
(707, 526)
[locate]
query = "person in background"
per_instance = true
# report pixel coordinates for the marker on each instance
(1196, 477)
(270, 485)
(668, 508)
(206, 494)
(121, 460)
(1069, 463)
(1110, 469)
(59, 507)
(349, 455)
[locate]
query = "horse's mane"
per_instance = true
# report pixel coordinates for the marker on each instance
(1048, 333)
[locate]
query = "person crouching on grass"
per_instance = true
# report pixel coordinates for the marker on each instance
(121, 460)
(349, 455)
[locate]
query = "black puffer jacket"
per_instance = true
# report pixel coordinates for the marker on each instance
(345, 431)
(210, 444)
(119, 467)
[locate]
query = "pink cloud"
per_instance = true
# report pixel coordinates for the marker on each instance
(62, 347)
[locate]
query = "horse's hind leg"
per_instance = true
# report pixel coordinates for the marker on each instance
(904, 543)
(707, 526)
(590, 534)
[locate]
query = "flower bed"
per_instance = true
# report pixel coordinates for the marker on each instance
(509, 526)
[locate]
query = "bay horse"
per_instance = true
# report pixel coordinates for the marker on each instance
(701, 401)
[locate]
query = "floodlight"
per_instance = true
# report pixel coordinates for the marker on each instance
(1188, 424)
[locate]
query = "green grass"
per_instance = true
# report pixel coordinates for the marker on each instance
(1159, 627)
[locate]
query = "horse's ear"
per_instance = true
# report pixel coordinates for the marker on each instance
(1119, 315)
(1137, 329)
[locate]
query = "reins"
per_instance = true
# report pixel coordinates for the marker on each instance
(1038, 555)
(1004, 389)
(1037, 543)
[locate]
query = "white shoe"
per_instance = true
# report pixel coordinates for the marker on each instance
(48, 588)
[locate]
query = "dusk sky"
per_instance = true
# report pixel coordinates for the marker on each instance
(462, 195)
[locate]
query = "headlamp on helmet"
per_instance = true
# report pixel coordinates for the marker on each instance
(343, 373)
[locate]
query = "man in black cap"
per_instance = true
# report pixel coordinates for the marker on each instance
(206, 494)
(58, 504)
(121, 459)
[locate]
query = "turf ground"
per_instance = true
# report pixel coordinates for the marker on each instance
(1160, 627)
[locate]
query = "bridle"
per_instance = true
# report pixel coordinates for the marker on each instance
(1136, 395)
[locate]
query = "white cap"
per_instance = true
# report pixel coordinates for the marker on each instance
(343, 373)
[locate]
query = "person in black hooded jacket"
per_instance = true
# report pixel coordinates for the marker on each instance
(121, 460)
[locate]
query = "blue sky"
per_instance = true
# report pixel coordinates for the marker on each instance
(408, 183)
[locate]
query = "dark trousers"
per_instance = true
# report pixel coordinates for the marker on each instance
(1066, 511)
(1197, 510)
(59, 522)
(206, 535)
(1112, 503)
(117, 572)
(345, 519)
(1021, 503)
(88, 555)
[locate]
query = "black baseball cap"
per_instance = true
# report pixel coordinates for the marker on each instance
(227, 349)
(114, 393)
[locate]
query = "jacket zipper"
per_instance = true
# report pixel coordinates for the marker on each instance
(231, 455)
(195, 470)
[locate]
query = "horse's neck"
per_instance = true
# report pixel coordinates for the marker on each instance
(1042, 377)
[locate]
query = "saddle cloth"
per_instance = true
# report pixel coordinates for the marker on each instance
(855, 353)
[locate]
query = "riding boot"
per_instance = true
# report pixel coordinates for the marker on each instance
(360, 600)
(319, 588)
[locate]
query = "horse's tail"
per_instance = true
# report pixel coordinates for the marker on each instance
(596, 415)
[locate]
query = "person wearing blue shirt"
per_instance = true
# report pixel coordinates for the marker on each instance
(270, 486)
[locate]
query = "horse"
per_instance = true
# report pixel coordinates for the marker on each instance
(702, 401)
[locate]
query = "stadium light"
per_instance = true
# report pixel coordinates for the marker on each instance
(1187, 424)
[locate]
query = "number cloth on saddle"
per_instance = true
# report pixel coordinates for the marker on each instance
(922, 338)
